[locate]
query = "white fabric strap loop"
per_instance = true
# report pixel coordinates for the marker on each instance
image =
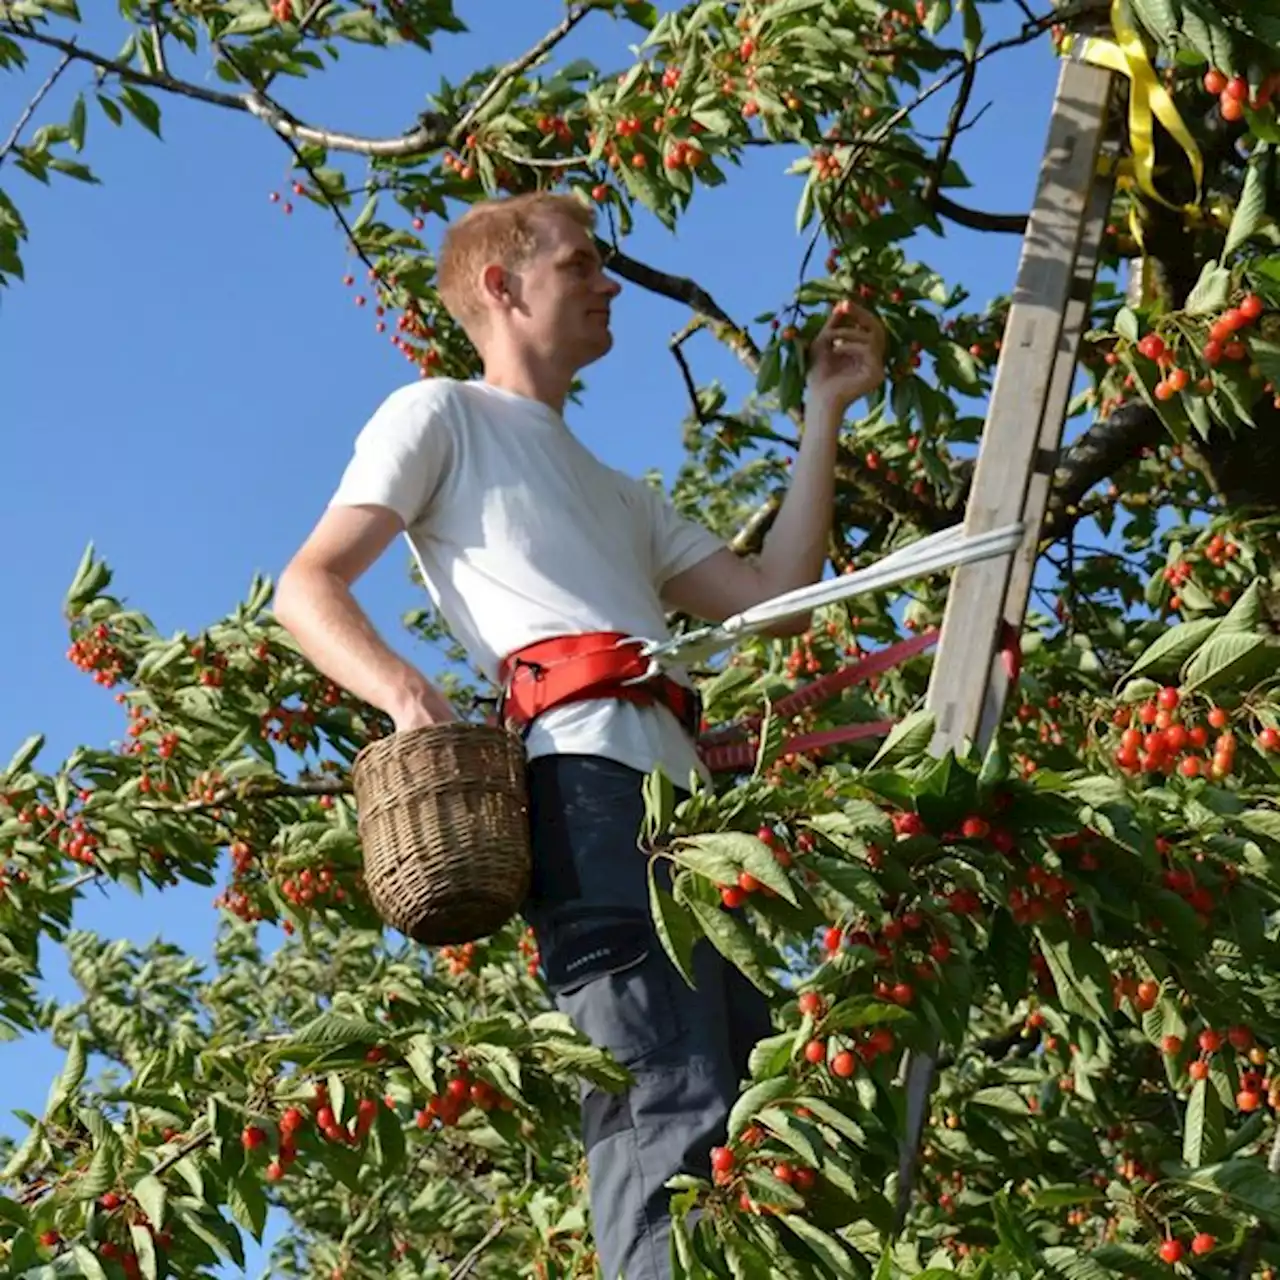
(943, 550)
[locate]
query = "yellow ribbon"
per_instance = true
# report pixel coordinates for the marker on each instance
(1149, 100)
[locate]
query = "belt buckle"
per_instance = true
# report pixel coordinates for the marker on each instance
(653, 668)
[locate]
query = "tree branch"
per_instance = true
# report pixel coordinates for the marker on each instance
(1101, 451)
(255, 789)
(1030, 31)
(1006, 223)
(33, 106)
(508, 73)
(431, 131)
(464, 1268)
(954, 122)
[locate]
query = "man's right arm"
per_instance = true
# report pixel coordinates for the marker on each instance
(314, 603)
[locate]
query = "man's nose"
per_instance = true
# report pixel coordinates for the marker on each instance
(610, 287)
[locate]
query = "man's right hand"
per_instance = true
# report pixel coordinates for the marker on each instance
(430, 707)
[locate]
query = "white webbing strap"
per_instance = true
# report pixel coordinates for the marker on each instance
(928, 555)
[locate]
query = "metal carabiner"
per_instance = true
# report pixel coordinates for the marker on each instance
(647, 649)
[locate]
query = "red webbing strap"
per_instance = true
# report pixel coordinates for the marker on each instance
(828, 686)
(742, 755)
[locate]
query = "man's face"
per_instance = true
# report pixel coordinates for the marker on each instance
(562, 296)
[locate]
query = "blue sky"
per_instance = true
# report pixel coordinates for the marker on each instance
(183, 371)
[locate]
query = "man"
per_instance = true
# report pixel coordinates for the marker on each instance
(525, 538)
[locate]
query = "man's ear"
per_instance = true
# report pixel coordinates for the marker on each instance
(496, 283)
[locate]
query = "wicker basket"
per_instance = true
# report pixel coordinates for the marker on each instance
(443, 816)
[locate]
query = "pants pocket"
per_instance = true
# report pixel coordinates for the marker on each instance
(615, 983)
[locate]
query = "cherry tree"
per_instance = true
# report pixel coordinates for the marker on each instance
(1082, 914)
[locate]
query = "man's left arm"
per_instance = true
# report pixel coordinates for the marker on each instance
(846, 361)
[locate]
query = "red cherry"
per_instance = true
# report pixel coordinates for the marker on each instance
(1202, 1244)
(1215, 82)
(1171, 1251)
(811, 1004)
(1251, 307)
(1210, 1041)
(843, 1064)
(1168, 698)
(722, 1159)
(815, 1052)
(252, 1137)
(732, 897)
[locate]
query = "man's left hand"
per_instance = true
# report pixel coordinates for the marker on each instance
(846, 359)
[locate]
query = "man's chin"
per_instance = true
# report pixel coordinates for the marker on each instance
(596, 349)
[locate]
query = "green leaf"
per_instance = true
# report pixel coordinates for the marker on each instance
(734, 941)
(87, 1264)
(803, 1139)
(1126, 324)
(674, 927)
(25, 1153)
(333, 1029)
(659, 803)
(1174, 647)
(1246, 613)
(143, 109)
(910, 738)
(754, 1099)
(420, 1056)
(150, 1193)
(1251, 208)
(957, 368)
(833, 1255)
(850, 880)
(24, 755)
(68, 1079)
(1211, 291)
(248, 1202)
(144, 1247)
(1245, 1180)
(739, 851)
(829, 1113)
(1080, 974)
(1221, 658)
(771, 1056)
(76, 125)
(1204, 1129)
(1262, 822)
(1009, 951)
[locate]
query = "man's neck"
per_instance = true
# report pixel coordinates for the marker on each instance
(549, 387)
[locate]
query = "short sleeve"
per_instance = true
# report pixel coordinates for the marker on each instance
(400, 454)
(677, 542)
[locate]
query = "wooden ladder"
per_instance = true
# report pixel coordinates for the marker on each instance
(1018, 453)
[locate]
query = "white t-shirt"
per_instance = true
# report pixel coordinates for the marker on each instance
(521, 533)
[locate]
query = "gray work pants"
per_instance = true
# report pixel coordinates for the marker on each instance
(607, 970)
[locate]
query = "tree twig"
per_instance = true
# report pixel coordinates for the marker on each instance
(1031, 31)
(31, 108)
(157, 39)
(255, 789)
(508, 73)
(431, 131)
(464, 1268)
(955, 122)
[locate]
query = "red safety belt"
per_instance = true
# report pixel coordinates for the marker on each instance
(575, 668)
